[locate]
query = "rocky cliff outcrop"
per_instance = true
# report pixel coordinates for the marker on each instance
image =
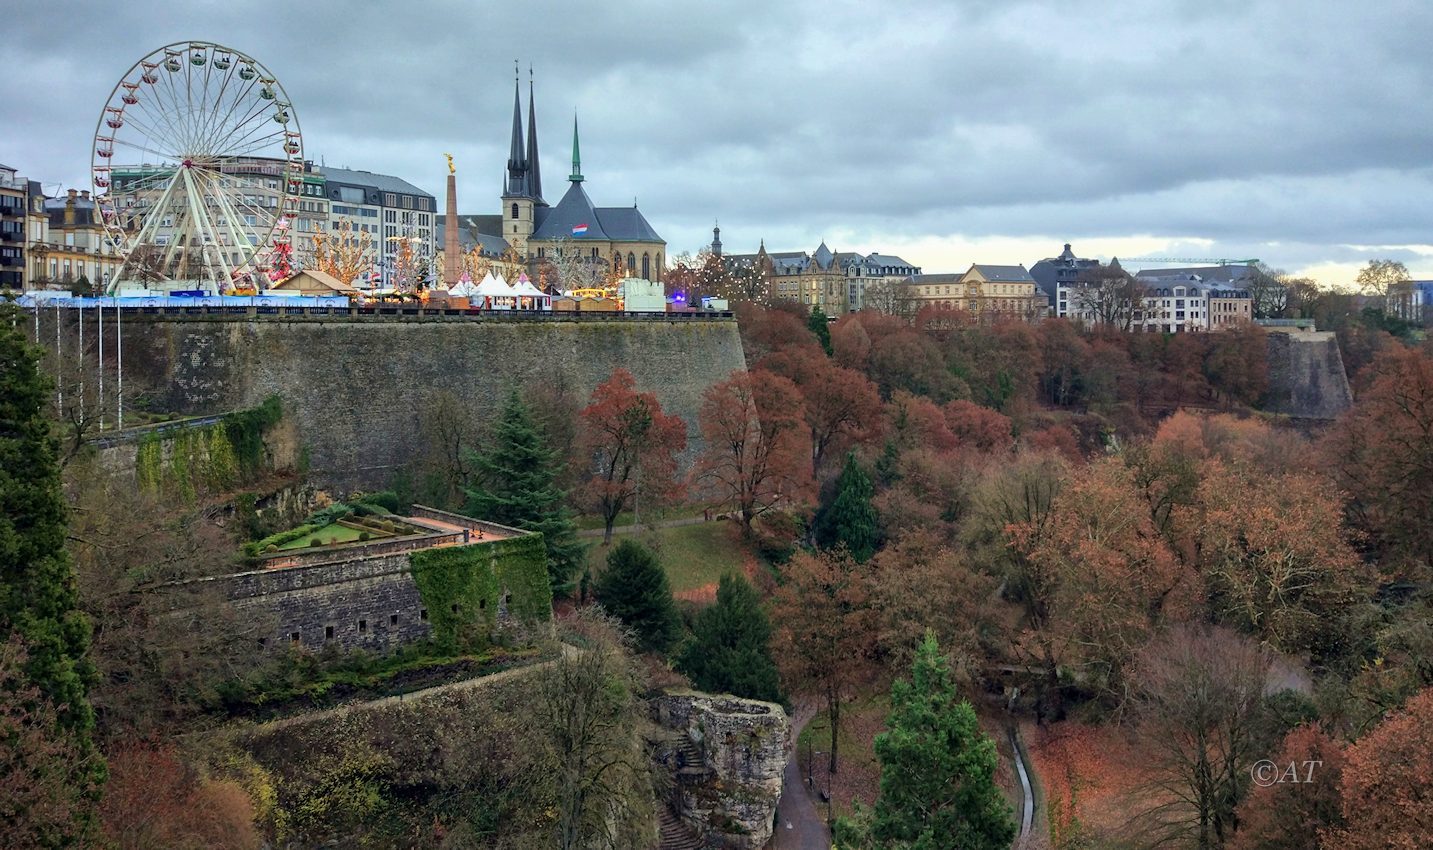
(726, 756)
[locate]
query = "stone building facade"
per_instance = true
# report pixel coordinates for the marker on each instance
(987, 292)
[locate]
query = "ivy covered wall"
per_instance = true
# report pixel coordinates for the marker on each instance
(462, 587)
(213, 458)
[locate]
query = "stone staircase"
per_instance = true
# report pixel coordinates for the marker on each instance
(674, 834)
(689, 756)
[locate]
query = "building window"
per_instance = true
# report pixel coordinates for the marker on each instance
(390, 199)
(423, 614)
(631, 263)
(514, 211)
(362, 626)
(392, 619)
(328, 632)
(294, 638)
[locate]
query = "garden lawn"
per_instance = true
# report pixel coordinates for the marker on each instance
(694, 556)
(342, 532)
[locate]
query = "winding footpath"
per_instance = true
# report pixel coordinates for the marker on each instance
(798, 825)
(1027, 817)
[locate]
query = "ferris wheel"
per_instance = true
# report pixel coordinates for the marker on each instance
(198, 168)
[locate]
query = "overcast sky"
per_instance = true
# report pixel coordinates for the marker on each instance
(1299, 131)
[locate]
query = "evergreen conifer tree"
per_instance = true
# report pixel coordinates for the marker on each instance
(634, 589)
(937, 767)
(850, 519)
(730, 647)
(37, 586)
(819, 325)
(516, 477)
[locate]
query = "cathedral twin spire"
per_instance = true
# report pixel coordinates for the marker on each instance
(524, 177)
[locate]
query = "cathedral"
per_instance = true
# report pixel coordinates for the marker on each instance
(602, 239)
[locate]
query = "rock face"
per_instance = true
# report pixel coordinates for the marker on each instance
(726, 756)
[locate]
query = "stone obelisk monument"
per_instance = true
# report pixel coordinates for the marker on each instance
(452, 249)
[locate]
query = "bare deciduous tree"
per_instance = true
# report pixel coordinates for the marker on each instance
(1200, 702)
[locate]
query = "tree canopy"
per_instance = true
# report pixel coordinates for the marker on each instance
(634, 589)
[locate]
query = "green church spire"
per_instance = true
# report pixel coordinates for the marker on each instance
(576, 154)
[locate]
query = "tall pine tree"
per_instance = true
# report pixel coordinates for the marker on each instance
(850, 519)
(821, 326)
(730, 649)
(37, 586)
(516, 476)
(634, 589)
(937, 767)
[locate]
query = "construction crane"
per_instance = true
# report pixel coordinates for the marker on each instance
(1199, 261)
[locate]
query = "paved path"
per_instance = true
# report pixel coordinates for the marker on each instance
(798, 825)
(631, 529)
(1027, 818)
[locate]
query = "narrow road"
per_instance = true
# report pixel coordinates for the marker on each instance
(415, 696)
(629, 529)
(798, 825)
(1027, 818)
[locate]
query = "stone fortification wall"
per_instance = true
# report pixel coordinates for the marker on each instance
(364, 595)
(356, 385)
(1306, 375)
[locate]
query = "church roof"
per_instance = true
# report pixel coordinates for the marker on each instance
(626, 224)
(823, 256)
(613, 224)
(575, 209)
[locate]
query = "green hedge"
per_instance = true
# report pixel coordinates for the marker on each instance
(460, 587)
(288, 536)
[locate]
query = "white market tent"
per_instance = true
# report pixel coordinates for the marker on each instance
(530, 296)
(495, 293)
(464, 288)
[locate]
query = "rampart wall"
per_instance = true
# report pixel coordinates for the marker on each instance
(355, 386)
(361, 595)
(1306, 375)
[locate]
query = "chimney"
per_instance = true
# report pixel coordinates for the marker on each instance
(84, 194)
(72, 194)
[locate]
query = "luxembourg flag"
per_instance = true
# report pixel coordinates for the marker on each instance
(579, 229)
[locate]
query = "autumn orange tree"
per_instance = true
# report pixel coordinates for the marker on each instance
(1012, 509)
(1386, 777)
(919, 584)
(1381, 454)
(633, 448)
(1280, 814)
(154, 800)
(842, 406)
(826, 630)
(758, 454)
(1108, 580)
(1274, 555)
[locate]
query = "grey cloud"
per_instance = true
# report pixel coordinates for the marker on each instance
(1297, 126)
